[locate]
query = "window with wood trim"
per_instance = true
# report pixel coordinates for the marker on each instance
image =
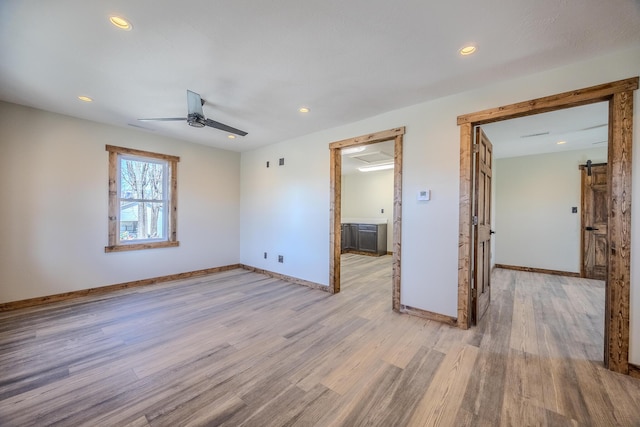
(142, 200)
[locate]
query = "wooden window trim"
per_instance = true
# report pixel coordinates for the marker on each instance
(172, 187)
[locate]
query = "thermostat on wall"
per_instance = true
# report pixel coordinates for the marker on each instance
(424, 195)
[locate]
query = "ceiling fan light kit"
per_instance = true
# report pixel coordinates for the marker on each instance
(195, 116)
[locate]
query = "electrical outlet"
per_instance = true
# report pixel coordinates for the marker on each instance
(265, 255)
(280, 258)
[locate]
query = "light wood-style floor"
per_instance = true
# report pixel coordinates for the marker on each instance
(242, 349)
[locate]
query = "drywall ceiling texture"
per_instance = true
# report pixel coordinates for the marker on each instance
(534, 224)
(431, 160)
(55, 199)
(571, 129)
(257, 62)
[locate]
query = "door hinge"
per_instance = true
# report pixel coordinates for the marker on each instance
(476, 148)
(474, 293)
(475, 220)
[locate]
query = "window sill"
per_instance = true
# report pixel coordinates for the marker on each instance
(140, 246)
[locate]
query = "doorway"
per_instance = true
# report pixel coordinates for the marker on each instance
(619, 96)
(537, 199)
(335, 240)
(537, 187)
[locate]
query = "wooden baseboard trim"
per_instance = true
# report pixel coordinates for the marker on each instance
(634, 370)
(451, 321)
(308, 284)
(31, 302)
(537, 270)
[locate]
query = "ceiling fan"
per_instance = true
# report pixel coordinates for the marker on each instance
(196, 117)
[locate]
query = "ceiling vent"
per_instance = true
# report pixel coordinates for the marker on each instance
(372, 156)
(534, 134)
(596, 126)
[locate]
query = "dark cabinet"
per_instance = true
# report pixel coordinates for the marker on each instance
(368, 238)
(350, 237)
(371, 238)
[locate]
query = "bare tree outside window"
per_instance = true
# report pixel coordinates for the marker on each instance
(141, 198)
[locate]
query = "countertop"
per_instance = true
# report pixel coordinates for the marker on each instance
(374, 221)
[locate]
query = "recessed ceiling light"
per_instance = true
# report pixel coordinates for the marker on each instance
(561, 142)
(120, 22)
(85, 98)
(376, 167)
(231, 136)
(467, 50)
(303, 109)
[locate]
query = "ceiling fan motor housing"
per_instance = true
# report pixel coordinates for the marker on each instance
(195, 120)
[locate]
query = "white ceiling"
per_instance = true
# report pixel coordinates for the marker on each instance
(371, 155)
(257, 62)
(579, 128)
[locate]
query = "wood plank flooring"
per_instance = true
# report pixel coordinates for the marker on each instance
(239, 348)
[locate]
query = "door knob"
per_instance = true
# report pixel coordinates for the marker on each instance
(492, 232)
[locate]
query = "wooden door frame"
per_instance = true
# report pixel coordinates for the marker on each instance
(619, 95)
(335, 208)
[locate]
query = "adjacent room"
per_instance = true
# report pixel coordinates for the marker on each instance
(543, 166)
(326, 214)
(366, 221)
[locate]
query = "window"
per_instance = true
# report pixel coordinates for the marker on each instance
(142, 200)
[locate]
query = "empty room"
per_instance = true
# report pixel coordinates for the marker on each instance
(300, 214)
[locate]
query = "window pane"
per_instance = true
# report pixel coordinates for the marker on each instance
(141, 221)
(141, 179)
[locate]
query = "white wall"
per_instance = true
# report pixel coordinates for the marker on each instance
(364, 194)
(431, 160)
(284, 210)
(534, 196)
(494, 178)
(54, 175)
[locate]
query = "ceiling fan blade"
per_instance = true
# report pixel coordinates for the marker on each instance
(164, 119)
(222, 126)
(194, 103)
